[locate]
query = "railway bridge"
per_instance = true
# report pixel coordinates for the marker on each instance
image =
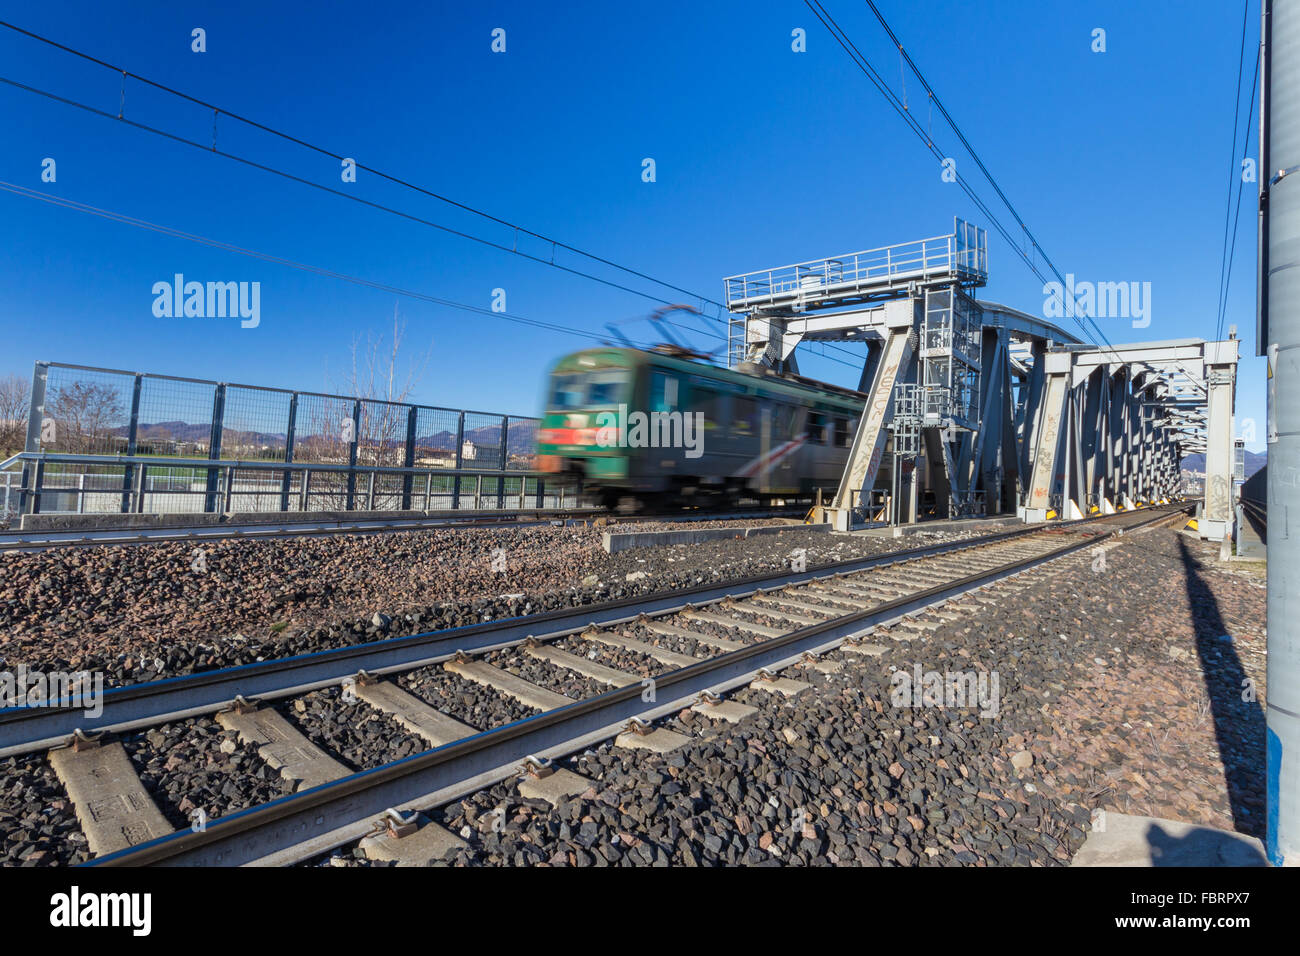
(988, 408)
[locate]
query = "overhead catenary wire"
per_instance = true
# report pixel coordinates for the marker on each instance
(956, 128)
(1236, 218)
(320, 150)
(1234, 172)
(1069, 308)
(290, 263)
(175, 233)
(329, 189)
(396, 180)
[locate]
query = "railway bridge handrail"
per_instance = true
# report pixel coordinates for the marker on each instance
(291, 480)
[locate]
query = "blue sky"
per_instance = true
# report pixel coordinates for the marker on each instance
(1118, 161)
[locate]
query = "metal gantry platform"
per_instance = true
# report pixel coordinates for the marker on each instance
(984, 409)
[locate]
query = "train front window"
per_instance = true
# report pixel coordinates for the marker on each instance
(605, 388)
(569, 391)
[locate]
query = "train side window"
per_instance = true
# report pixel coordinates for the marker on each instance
(782, 422)
(663, 392)
(712, 405)
(843, 432)
(816, 428)
(744, 416)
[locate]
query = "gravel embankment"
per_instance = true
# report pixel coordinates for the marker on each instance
(1101, 676)
(1117, 690)
(139, 613)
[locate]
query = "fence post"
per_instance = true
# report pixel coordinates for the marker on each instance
(35, 413)
(141, 477)
(288, 451)
(128, 474)
(408, 461)
(214, 447)
(38, 479)
(352, 456)
(230, 488)
(501, 482)
(460, 463)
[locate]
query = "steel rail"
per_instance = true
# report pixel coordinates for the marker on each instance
(314, 821)
(27, 728)
(133, 706)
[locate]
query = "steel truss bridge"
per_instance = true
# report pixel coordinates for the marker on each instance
(984, 408)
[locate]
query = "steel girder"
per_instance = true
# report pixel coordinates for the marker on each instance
(1064, 429)
(1129, 415)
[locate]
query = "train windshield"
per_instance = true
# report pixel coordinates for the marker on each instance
(568, 391)
(606, 388)
(592, 390)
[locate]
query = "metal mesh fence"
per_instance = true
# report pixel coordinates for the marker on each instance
(482, 445)
(435, 437)
(521, 440)
(87, 411)
(381, 438)
(84, 489)
(338, 452)
(175, 419)
(255, 424)
(324, 429)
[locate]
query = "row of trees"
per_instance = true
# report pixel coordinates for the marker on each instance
(14, 392)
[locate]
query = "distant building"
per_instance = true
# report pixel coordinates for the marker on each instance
(468, 451)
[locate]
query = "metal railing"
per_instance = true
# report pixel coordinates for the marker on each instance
(959, 257)
(106, 441)
(93, 484)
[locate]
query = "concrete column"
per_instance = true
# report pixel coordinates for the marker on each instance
(1221, 364)
(1280, 337)
(1056, 368)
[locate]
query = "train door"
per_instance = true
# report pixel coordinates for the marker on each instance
(714, 464)
(780, 449)
(745, 439)
(664, 467)
(821, 457)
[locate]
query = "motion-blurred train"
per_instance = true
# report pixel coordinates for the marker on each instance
(657, 425)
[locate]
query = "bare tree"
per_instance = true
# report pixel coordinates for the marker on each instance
(14, 392)
(85, 415)
(382, 379)
(379, 376)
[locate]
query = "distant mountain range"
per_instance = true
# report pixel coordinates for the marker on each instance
(1254, 462)
(521, 438)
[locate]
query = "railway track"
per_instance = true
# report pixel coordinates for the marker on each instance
(32, 541)
(694, 646)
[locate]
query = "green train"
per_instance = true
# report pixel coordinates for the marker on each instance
(658, 425)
